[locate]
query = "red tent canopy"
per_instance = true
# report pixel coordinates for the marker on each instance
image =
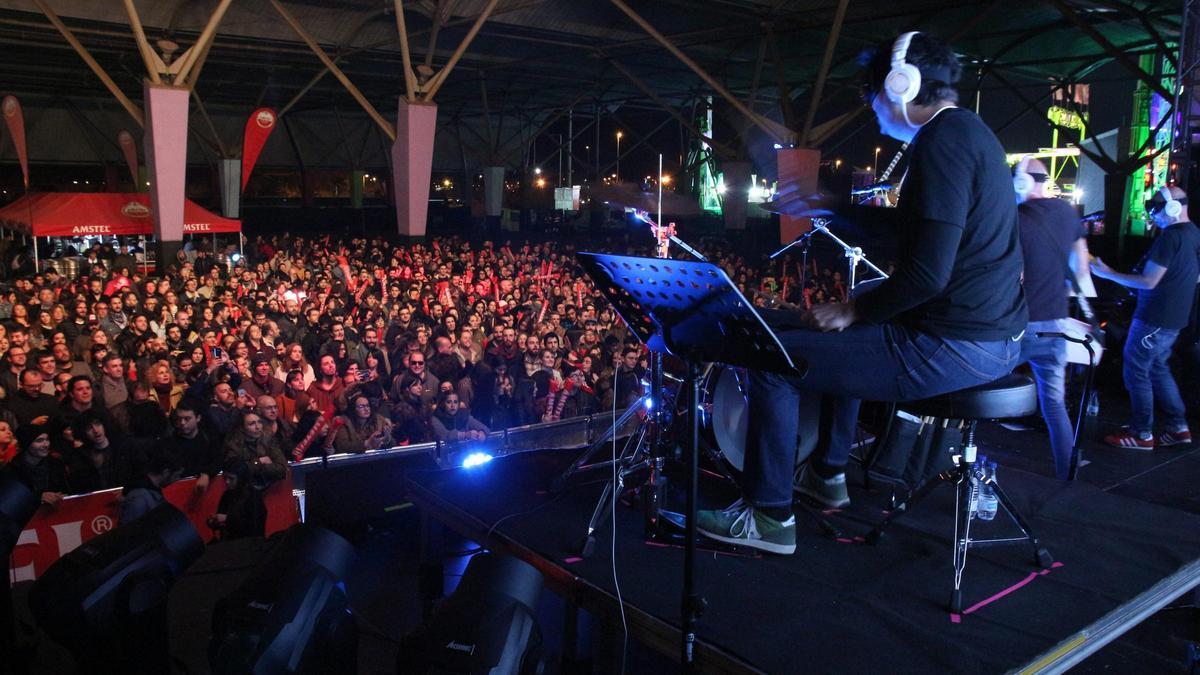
(68, 214)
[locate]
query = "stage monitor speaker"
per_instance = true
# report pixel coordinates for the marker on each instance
(291, 615)
(344, 495)
(106, 600)
(488, 625)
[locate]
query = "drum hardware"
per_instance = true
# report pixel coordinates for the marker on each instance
(643, 450)
(854, 254)
(695, 312)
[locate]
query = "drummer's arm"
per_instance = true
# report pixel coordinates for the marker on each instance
(921, 275)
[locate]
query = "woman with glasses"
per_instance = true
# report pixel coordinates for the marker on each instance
(364, 429)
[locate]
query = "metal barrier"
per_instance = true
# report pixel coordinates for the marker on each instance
(568, 434)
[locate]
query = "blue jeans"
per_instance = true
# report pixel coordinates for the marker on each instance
(1048, 359)
(867, 362)
(1148, 378)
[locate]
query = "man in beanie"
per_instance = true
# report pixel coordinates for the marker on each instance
(262, 382)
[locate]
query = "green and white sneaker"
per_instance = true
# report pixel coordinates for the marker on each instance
(830, 492)
(742, 525)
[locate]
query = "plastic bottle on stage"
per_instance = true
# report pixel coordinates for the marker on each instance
(988, 502)
(1093, 407)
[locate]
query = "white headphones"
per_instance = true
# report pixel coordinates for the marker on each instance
(903, 81)
(1171, 206)
(1023, 183)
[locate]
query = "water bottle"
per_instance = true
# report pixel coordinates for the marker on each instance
(988, 502)
(1093, 406)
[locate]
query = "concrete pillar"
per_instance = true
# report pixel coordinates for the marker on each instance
(493, 198)
(737, 194)
(230, 172)
(166, 159)
(797, 166)
(112, 178)
(493, 190)
(356, 188)
(412, 165)
(308, 187)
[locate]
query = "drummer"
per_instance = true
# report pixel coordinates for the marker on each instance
(951, 316)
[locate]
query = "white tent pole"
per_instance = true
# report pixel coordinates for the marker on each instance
(145, 264)
(241, 247)
(37, 265)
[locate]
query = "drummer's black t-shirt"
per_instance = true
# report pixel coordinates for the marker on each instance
(959, 272)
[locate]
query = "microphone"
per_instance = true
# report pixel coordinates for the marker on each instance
(873, 189)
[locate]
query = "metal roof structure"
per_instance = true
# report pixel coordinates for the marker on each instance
(791, 63)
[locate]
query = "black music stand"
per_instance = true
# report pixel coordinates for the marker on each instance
(691, 310)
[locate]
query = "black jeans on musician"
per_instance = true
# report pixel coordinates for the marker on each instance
(866, 362)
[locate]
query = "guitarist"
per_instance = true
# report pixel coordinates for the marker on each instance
(1165, 285)
(1054, 243)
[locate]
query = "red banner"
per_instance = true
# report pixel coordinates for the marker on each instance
(129, 149)
(15, 119)
(258, 128)
(57, 530)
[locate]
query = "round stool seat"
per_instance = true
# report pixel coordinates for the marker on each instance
(1010, 396)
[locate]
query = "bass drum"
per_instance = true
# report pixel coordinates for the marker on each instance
(725, 413)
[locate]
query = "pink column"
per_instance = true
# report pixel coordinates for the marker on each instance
(166, 158)
(737, 194)
(412, 165)
(797, 166)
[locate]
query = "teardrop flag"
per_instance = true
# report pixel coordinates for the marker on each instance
(15, 119)
(129, 149)
(258, 128)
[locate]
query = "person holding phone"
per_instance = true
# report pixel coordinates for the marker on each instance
(365, 429)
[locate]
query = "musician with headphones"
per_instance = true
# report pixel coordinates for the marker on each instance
(1165, 281)
(950, 317)
(1054, 244)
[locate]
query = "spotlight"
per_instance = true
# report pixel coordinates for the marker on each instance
(488, 625)
(291, 615)
(476, 459)
(17, 506)
(106, 601)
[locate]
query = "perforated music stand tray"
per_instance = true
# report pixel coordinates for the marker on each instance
(688, 309)
(691, 310)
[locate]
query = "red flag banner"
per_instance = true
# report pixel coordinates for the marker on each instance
(55, 531)
(258, 128)
(15, 119)
(129, 149)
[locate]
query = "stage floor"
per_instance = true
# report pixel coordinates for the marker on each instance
(840, 606)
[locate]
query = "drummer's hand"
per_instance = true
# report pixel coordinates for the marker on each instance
(835, 316)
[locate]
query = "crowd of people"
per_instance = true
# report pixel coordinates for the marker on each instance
(113, 378)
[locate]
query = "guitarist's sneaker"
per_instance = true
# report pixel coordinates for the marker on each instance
(1130, 441)
(1168, 438)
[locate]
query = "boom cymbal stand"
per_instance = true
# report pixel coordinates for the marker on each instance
(854, 254)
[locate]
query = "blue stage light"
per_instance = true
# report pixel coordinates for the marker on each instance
(649, 403)
(475, 459)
